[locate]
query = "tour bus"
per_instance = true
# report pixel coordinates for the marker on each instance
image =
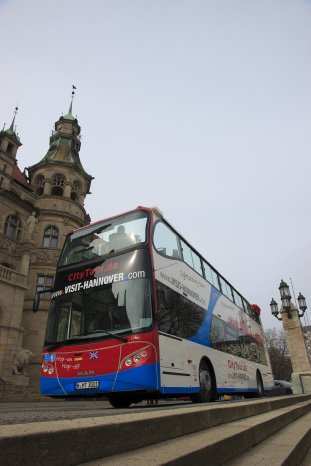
(137, 313)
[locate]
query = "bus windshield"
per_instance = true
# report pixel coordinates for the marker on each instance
(104, 238)
(113, 309)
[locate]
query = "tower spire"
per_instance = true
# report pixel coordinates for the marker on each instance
(13, 121)
(69, 115)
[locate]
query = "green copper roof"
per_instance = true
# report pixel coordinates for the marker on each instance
(69, 115)
(10, 131)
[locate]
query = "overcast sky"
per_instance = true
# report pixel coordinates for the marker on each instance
(201, 107)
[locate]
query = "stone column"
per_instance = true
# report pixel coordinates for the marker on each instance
(301, 376)
(67, 190)
(47, 186)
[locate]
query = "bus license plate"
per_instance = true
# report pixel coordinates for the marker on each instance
(86, 385)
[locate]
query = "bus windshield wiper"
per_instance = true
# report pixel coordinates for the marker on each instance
(114, 335)
(75, 339)
(63, 342)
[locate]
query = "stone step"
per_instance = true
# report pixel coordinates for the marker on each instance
(220, 444)
(288, 447)
(72, 442)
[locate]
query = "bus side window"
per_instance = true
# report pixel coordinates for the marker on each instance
(167, 309)
(191, 258)
(217, 333)
(166, 241)
(237, 299)
(210, 275)
(173, 313)
(249, 311)
(226, 288)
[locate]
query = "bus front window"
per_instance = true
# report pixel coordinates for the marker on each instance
(105, 237)
(118, 308)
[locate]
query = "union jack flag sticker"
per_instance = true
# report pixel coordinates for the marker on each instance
(93, 354)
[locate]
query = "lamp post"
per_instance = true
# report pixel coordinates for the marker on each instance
(286, 303)
(299, 355)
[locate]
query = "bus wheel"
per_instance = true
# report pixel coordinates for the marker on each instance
(260, 389)
(120, 401)
(206, 392)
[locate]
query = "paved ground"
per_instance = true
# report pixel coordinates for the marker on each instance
(27, 412)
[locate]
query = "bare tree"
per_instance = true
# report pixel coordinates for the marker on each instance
(278, 352)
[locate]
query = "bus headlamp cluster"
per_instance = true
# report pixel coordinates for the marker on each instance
(47, 369)
(136, 358)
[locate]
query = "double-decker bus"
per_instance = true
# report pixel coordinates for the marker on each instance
(137, 313)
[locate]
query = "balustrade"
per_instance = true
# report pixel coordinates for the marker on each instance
(12, 277)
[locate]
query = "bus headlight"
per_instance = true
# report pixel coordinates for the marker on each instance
(137, 358)
(45, 368)
(51, 370)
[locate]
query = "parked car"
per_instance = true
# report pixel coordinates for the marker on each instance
(281, 387)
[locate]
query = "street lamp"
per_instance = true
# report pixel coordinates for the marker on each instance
(290, 315)
(286, 303)
(302, 304)
(285, 297)
(274, 309)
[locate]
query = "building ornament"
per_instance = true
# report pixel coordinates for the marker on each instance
(10, 247)
(31, 226)
(27, 248)
(22, 358)
(45, 256)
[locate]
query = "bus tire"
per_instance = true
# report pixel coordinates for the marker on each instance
(207, 391)
(120, 401)
(260, 389)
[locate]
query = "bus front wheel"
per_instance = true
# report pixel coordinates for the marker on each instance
(206, 392)
(120, 401)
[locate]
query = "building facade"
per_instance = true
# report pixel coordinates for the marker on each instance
(39, 206)
(307, 336)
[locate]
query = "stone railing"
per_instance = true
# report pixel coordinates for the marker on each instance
(13, 278)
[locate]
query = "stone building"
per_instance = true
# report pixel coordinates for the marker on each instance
(39, 206)
(307, 336)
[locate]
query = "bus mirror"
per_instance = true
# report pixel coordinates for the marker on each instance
(37, 298)
(36, 302)
(169, 299)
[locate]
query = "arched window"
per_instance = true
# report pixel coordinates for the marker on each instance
(58, 184)
(76, 187)
(13, 227)
(39, 184)
(50, 237)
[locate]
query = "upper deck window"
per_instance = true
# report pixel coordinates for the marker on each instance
(211, 275)
(106, 237)
(191, 258)
(166, 241)
(225, 288)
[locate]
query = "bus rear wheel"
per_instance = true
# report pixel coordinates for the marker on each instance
(206, 392)
(260, 389)
(120, 401)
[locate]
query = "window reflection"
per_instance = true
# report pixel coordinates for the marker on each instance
(104, 238)
(116, 308)
(166, 241)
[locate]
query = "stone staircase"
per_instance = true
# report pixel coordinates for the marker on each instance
(278, 437)
(270, 431)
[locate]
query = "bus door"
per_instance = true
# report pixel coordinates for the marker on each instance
(175, 369)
